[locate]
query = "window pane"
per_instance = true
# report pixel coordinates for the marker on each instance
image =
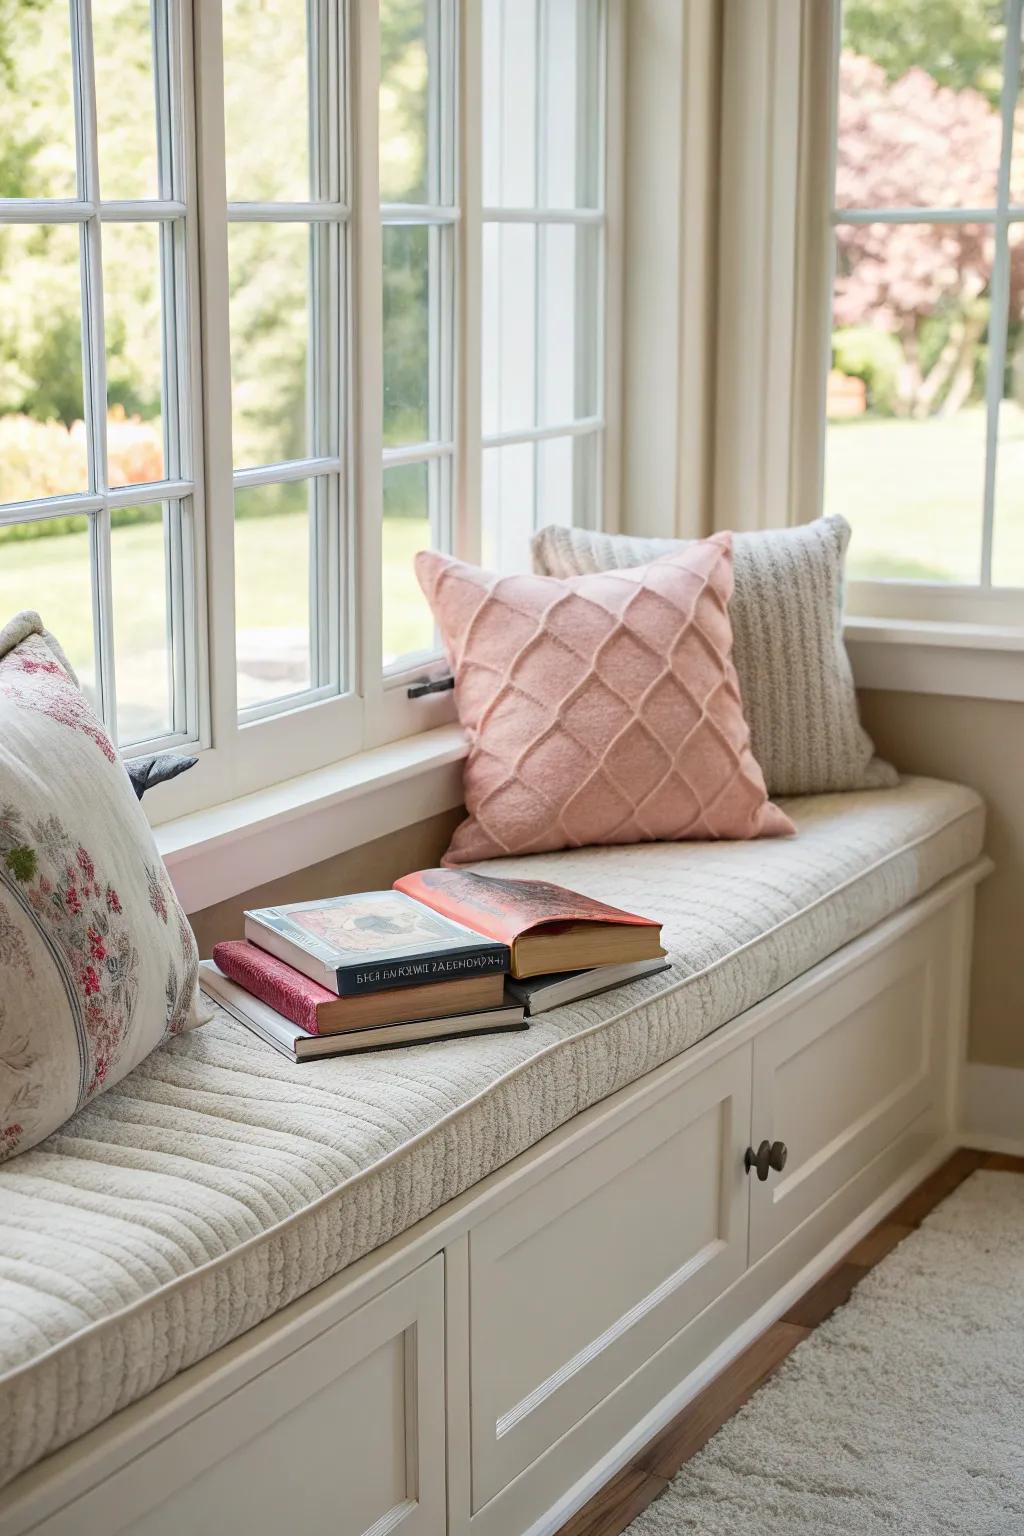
(540, 352)
(509, 327)
(269, 282)
(905, 453)
(509, 103)
(405, 168)
(1017, 144)
(142, 651)
(508, 507)
(568, 336)
(1008, 527)
(567, 481)
(407, 359)
(569, 122)
(407, 623)
(541, 94)
(918, 116)
(272, 591)
(46, 566)
(125, 99)
(266, 101)
(134, 338)
(42, 436)
(37, 110)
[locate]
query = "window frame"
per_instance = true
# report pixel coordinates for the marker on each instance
(595, 494)
(914, 601)
(365, 705)
(440, 212)
(182, 489)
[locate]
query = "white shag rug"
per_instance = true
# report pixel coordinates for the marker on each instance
(903, 1413)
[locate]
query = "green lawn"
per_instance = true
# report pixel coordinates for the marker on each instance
(912, 492)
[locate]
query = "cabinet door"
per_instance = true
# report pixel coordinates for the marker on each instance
(578, 1281)
(845, 1074)
(341, 1438)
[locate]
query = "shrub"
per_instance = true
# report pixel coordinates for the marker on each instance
(874, 356)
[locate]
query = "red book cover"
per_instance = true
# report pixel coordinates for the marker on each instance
(505, 909)
(273, 982)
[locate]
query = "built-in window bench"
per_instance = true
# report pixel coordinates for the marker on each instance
(453, 1288)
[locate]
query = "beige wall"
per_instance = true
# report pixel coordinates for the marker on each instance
(372, 867)
(975, 741)
(979, 742)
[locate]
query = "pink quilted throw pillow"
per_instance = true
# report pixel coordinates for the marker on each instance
(600, 709)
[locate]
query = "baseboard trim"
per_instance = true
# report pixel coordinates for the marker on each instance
(992, 1108)
(1011, 1146)
(664, 1412)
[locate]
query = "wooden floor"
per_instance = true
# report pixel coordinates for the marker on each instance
(652, 1469)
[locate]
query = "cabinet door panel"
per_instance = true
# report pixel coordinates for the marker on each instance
(344, 1437)
(842, 1076)
(581, 1279)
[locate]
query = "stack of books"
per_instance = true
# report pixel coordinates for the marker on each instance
(444, 953)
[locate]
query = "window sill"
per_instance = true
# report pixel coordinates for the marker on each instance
(973, 661)
(218, 853)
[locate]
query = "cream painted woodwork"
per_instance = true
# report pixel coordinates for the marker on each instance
(575, 1284)
(839, 1078)
(344, 1436)
(487, 1371)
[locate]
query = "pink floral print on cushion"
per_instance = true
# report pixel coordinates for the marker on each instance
(600, 709)
(98, 962)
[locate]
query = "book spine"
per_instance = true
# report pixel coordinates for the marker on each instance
(250, 975)
(417, 971)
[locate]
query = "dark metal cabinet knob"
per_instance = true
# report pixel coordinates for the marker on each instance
(770, 1154)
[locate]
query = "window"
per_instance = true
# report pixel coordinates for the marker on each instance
(248, 295)
(418, 123)
(543, 257)
(925, 403)
(98, 427)
(286, 258)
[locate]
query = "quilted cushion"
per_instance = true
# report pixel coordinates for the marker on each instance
(794, 673)
(603, 709)
(99, 964)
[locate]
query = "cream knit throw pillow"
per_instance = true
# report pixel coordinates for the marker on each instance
(788, 649)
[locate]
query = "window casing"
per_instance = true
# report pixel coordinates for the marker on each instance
(273, 520)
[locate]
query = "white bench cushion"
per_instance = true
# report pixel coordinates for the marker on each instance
(218, 1182)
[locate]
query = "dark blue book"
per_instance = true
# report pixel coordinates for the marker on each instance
(373, 941)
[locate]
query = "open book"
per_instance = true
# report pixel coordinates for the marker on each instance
(546, 927)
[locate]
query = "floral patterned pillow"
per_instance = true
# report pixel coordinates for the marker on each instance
(97, 959)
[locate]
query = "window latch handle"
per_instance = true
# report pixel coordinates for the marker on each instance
(437, 685)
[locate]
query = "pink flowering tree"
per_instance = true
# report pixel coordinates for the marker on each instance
(913, 143)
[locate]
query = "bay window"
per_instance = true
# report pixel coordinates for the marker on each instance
(290, 289)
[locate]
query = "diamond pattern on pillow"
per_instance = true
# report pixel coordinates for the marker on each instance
(600, 709)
